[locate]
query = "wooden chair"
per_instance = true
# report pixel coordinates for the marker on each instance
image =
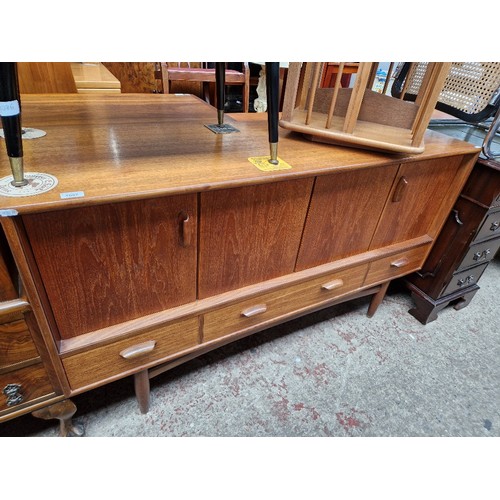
(185, 72)
(471, 92)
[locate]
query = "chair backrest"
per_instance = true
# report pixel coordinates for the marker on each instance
(471, 90)
(45, 78)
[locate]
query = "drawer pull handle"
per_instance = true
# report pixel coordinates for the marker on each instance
(400, 188)
(469, 280)
(138, 350)
(495, 225)
(400, 262)
(254, 310)
(479, 256)
(332, 285)
(13, 393)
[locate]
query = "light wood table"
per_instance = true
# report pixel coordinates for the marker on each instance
(93, 78)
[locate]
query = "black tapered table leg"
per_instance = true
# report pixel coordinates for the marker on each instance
(220, 84)
(272, 90)
(10, 111)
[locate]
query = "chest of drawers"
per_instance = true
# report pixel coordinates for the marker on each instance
(469, 240)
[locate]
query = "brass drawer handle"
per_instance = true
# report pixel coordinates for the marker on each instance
(254, 310)
(479, 256)
(468, 280)
(400, 262)
(332, 285)
(138, 350)
(13, 393)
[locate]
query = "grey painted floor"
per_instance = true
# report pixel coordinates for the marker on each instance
(332, 373)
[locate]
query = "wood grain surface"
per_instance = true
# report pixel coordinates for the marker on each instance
(112, 263)
(129, 146)
(343, 214)
(250, 234)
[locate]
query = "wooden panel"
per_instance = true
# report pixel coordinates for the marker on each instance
(343, 214)
(490, 227)
(250, 234)
(396, 265)
(135, 76)
(45, 77)
(33, 384)
(7, 290)
(111, 263)
(416, 199)
(270, 306)
(465, 279)
(483, 185)
(16, 344)
(106, 362)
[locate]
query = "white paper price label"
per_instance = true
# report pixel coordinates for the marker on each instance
(9, 108)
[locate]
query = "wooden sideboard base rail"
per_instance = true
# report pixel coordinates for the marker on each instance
(63, 411)
(142, 378)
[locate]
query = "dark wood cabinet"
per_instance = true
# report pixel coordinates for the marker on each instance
(469, 240)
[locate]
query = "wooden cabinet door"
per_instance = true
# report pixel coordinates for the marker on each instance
(103, 265)
(250, 234)
(343, 215)
(418, 199)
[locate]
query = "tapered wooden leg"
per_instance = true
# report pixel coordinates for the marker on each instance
(142, 390)
(63, 411)
(377, 299)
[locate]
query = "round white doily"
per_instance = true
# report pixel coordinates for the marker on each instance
(28, 133)
(38, 183)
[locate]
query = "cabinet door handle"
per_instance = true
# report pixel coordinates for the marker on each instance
(332, 285)
(400, 262)
(138, 350)
(400, 188)
(254, 310)
(185, 233)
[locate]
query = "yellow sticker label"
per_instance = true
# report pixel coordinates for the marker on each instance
(263, 163)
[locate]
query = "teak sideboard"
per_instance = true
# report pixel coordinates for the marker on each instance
(163, 241)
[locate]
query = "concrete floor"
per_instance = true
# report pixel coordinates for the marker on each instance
(332, 373)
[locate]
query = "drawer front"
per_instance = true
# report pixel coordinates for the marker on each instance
(16, 344)
(146, 348)
(396, 265)
(269, 306)
(21, 386)
(489, 228)
(478, 254)
(465, 279)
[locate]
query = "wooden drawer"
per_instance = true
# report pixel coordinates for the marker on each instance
(465, 278)
(16, 344)
(396, 265)
(131, 354)
(480, 253)
(24, 385)
(489, 228)
(270, 306)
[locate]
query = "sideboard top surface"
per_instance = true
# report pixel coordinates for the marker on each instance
(131, 146)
